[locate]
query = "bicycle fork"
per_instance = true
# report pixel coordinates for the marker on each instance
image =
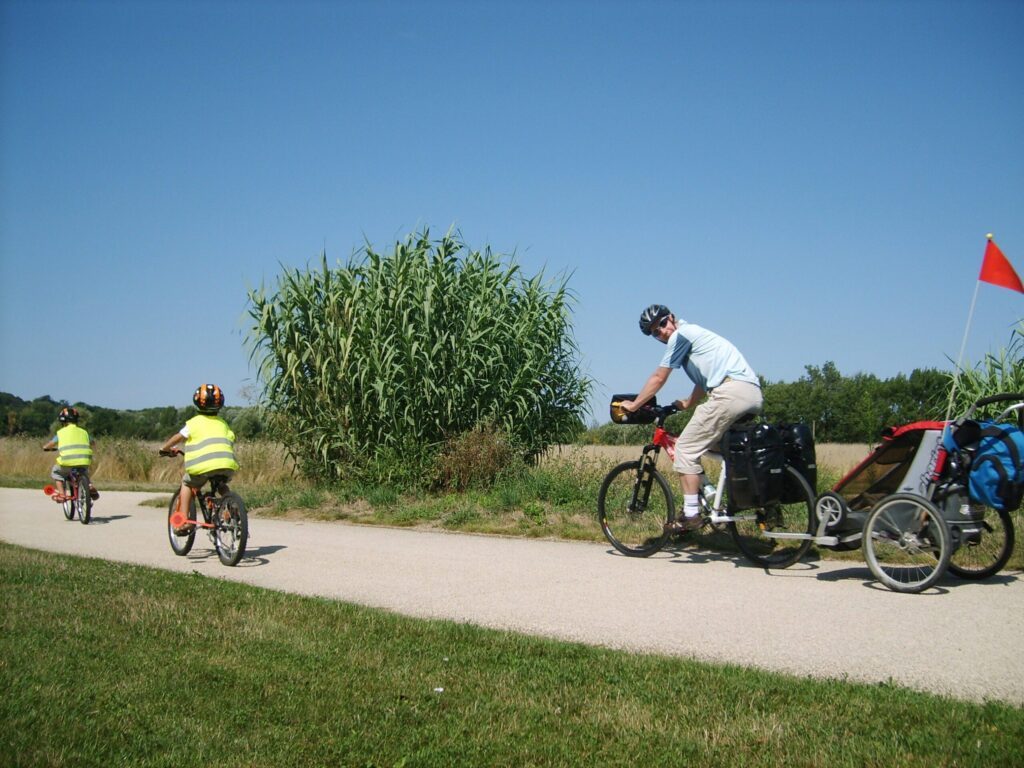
(642, 486)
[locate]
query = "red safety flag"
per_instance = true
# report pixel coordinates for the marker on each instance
(997, 269)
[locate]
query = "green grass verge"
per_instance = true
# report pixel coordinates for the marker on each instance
(110, 664)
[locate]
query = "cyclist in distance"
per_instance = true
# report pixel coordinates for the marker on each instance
(74, 449)
(718, 372)
(209, 444)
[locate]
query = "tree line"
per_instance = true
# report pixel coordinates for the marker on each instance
(38, 418)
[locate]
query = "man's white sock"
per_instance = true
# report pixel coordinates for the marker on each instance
(690, 507)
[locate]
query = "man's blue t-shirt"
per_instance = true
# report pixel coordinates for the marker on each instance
(706, 357)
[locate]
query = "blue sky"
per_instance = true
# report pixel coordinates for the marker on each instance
(813, 180)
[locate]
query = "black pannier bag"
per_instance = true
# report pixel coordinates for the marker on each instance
(798, 443)
(755, 460)
(643, 416)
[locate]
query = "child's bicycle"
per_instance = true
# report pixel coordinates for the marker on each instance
(224, 518)
(76, 500)
(635, 505)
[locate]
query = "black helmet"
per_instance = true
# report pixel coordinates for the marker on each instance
(208, 398)
(68, 415)
(653, 314)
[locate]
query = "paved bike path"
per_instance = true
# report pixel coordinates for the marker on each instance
(822, 619)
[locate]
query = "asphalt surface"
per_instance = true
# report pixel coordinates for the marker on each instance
(822, 619)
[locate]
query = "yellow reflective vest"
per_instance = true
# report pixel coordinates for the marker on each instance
(73, 449)
(210, 445)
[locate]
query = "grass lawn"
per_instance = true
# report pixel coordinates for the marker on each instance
(105, 664)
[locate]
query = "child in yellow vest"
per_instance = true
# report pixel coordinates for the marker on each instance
(209, 445)
(74, 450)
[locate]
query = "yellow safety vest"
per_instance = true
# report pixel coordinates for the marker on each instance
(73, 449)
(210, 445)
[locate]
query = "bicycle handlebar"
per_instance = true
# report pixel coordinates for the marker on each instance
(171, 453)
(663, 411)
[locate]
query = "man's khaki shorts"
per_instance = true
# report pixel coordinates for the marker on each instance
(727, 402)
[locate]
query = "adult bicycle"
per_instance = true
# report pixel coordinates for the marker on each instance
(224, 518)
(635, 506)
(76, 501)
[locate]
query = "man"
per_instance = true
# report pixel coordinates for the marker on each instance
(718, 372)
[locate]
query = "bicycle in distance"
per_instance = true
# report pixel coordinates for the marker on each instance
(224, 518)
(767, 510)
(76, 500)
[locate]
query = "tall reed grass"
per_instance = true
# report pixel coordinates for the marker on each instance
(378, 363)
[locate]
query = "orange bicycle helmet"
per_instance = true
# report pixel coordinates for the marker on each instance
(208, 398)
(68, 415)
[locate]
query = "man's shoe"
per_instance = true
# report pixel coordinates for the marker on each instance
(684, 524)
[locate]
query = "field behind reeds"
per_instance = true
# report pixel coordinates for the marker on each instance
(128, 464)
(833, 458)
(123, 463)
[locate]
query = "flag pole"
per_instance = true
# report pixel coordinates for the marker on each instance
(963, 344)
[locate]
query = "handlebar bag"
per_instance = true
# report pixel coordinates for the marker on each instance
(755, 458)
(644, 415)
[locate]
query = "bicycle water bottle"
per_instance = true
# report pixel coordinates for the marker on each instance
(709, 494)
(708, 491)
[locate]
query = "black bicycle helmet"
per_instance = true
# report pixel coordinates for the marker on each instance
(653, 314)
(208, 398)
(68, 415)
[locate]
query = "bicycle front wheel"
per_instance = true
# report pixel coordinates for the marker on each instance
(232, 528)
(906, 542)
(633, 506)
(182, 543)
(83, 502)
(984, 546)
(778, 534)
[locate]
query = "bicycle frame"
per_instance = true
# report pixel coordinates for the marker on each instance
(665, 439)
(208, 504)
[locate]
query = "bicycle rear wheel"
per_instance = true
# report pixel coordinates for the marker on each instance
(182, 543)
(633, 506)
(752, 528)
(83, 501)
(232, 528)
(68, 505)
(984, 547)
(906, 542)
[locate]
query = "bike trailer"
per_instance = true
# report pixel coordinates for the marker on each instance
(900, 464)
